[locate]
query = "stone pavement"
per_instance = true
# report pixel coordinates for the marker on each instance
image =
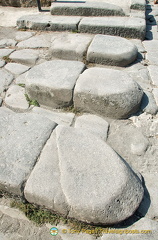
(78, 118)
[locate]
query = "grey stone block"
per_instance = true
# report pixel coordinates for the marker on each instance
(20, 36)
(52, 83)
(7, 43)
(86, 9)
(16, 68)
(22, 138)
(70, 46)
(6, 79)
(90, 183)
(5, 52)
(25, 56)
(117, 26)
(15, 99)
(59, 117)
(110, 50)
(107, 92)
(94, 124)
(46, 22)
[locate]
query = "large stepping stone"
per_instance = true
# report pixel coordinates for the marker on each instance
(80, 176)
(22, 138)
(86, 9)
(52, 83)
(111, 50)
(70, 46)
(116, 26)
(48, 22)
(108, 92)
(25, 56)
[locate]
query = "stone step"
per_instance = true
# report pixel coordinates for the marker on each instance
(86, 9)
(116, 26)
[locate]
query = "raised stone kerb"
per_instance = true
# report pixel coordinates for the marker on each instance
(86, 9)
(52, 83)
(116, 26)
(107, 92)
(110, 50)
(90, 182)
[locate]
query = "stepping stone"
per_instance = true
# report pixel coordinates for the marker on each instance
(25, 56)
(16, 68)
(15, 99)
(90, 182)
(48, 22)
(5, 52)
(110, 50)
(86, 9)
(93, 124)
(6, 79)
(51, 83)
(70, 46)
(39, 41)
(7, 43)
(23, 137)
(107, 92)
(20, 36)
(56, 116)
(117, 26)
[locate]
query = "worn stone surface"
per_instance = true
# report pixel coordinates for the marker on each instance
(7, 43)
(110, 50)
(153, 70)
(148, 103)
(155, 93)
(2, 63)
(71, 173)
(38, 41)
(22, 139)
(126, 27)
(99, 91)
(93, 124)
(59, 117)
(25, 56)
(20, 36)
(86, 9)
(5, 52)
(21, 79)
(6, 79)
(70, 46)
(15, 99)
(47, 22)
(129, 142)
(16, 68)
(52, 83)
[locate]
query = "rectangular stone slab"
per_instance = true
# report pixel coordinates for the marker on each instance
(116, 26)
(22, 137)
(86, 9)
(48, 22)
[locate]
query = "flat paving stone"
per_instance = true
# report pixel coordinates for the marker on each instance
(48, 22)
(117, 26)
(59, 117)
(22, 138)
(21, 79)
(16, 68)
(15, 99)
(84, 184)
(110, 50)
(2, 63)
(86, 9)
(94, 124)
(51, 83)
(6, 79)
(7, 43)
(153, 71)
(99, 91)
(5, 52)
(25, 56)
(21, 35)
(38, 41)
(70, 46)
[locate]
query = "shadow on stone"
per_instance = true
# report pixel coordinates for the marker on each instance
(144, 102)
